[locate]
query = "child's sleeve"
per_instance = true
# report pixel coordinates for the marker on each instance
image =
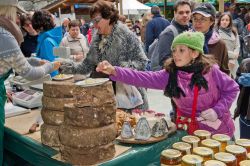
(146, 79)
(228, 91)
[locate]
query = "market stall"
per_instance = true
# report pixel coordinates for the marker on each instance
(23, 146)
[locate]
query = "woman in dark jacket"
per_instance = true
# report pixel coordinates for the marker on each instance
(243, 103)
(113, 42)
(29, 44)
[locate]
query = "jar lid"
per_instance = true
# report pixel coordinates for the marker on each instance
(214, 163)
(221, 137)
(235, 149)
(210, 143)
(171, 153)
(245, 163)
(225, 157)
(192, 159)
(190, 139)
(243, 142)
(202, 133)
(203, 151)
(181, 146)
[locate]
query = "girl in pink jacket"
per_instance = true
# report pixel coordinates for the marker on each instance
(201, 92)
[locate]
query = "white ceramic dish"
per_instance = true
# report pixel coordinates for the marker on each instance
(62, 77)
(92, 82)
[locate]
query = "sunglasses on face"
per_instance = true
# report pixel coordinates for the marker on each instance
(97, 19)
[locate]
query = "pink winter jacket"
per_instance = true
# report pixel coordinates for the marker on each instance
(222, 91)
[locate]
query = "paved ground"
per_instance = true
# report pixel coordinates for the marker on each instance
(160, 103)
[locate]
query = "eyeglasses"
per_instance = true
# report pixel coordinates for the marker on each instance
(200, 20)
(97, 19)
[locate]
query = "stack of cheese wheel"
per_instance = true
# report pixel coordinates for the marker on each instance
(55, 95)
(88, 131)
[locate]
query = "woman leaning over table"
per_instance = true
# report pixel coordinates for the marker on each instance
(11, 57)
(113, 42)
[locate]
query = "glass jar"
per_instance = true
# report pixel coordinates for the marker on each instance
(202, 134)
(227, 158)
(170, 157)
(204, 152)
(214, 163)
(238, 151)
(213, 144)
(223, 139)
(192, 140)
(245, 163)
(244, 143)
(183, 147)
(191, 160)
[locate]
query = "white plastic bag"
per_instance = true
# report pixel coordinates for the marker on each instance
(127, 96)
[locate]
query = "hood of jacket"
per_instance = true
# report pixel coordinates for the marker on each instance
(214, 38)
(55, 33)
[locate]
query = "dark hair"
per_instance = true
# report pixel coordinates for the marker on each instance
(247, 18)
(74, 23)
(155, 10)
(106, 9)
(42, 20)
(23, 19)
(180, 3)
(230, 23)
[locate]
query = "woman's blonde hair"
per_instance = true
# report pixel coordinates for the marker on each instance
(8, 12)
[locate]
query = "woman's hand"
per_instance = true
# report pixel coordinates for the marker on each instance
(42, 62)
(106, 67)
(209, 115)
(56, 65)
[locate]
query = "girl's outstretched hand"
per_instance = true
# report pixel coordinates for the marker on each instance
(106, 67)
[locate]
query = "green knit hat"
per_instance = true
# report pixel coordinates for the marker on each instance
(194, 40)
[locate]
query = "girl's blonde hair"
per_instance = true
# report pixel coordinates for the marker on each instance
(8, 12)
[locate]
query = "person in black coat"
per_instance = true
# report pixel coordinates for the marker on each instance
(243, 102)
(28, 46)
(155, 26)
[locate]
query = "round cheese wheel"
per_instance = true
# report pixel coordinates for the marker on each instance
(58, 89)
(88, 156)
(78, 137)
(52, 117)
(49, 135)
(56, 103)
(90, 117)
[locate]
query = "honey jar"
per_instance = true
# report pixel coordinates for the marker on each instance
(213, 144)
(191, 160)
(223, 139)
(227, 158)
(183, 147)
(202, 134)
(238, 151)
(192, 140)
(170, 157)
(245, 163)
(204, 152)
(248, 156)
(244, 143)
(214, 163)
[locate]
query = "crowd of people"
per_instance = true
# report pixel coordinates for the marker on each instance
(203, 57)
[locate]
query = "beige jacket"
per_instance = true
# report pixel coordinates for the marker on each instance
(233, 47)
(76, 45)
